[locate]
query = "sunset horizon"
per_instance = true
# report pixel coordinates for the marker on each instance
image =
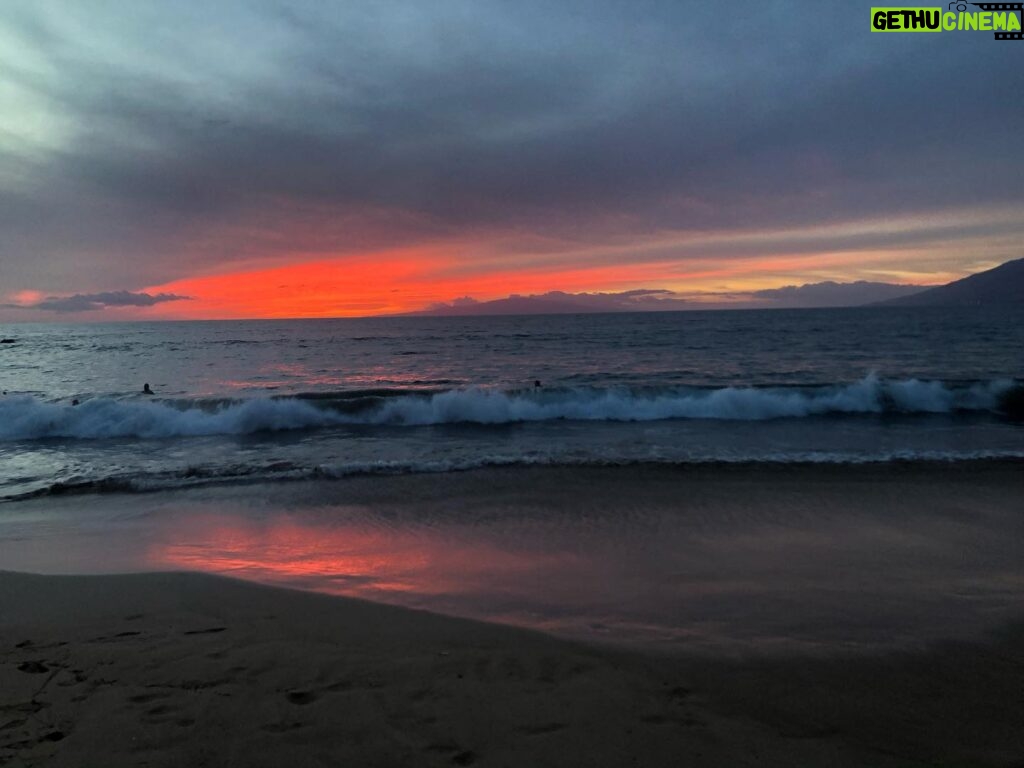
(271, 162)
(407, 280)
(232, 296)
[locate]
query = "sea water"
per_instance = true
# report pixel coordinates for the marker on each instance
(257, 401)
(328, 455)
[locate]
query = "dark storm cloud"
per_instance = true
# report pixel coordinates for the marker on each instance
(223, 133)
(86, 302)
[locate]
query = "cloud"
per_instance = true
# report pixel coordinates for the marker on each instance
(560, 302)
(87, 302)
(832, 294)
(247, 132)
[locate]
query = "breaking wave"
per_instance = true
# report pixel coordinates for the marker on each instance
(28, 418)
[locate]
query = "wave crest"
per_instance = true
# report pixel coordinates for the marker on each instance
(26, 418)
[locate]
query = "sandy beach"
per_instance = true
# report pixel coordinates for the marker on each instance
(171, 669)
(185, 669)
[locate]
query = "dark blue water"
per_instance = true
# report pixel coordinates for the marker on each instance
(258, 400)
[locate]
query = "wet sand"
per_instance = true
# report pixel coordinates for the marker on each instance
(835, 578)
(729, 559)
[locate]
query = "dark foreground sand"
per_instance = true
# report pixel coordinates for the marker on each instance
(194, 670)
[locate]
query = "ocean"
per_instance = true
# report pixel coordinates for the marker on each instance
(415, 460)
(266, 400)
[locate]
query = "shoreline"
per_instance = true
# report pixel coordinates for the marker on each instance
(725, 557)
(188, 669)
(106, 487)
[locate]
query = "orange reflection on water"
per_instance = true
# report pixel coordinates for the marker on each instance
(354, 560)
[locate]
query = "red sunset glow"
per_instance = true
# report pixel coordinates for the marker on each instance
(411, 279)
(402, 281)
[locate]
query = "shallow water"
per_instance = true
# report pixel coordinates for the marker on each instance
(726, 559)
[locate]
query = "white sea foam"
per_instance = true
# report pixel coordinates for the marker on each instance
(26, 418)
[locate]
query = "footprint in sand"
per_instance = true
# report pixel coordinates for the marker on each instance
(280, 727)
(302, 698)
(462, 757)
(145, 698)
(540, 730)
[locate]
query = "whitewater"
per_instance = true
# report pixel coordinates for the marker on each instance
(27, 418)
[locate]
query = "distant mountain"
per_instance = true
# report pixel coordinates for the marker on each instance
(560, 303)
(832, 294)
(513, 305)
(827, 294)
(1002, 285)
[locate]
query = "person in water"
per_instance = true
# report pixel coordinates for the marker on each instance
(146, 390)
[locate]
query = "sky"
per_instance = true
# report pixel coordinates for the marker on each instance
(261, 159)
